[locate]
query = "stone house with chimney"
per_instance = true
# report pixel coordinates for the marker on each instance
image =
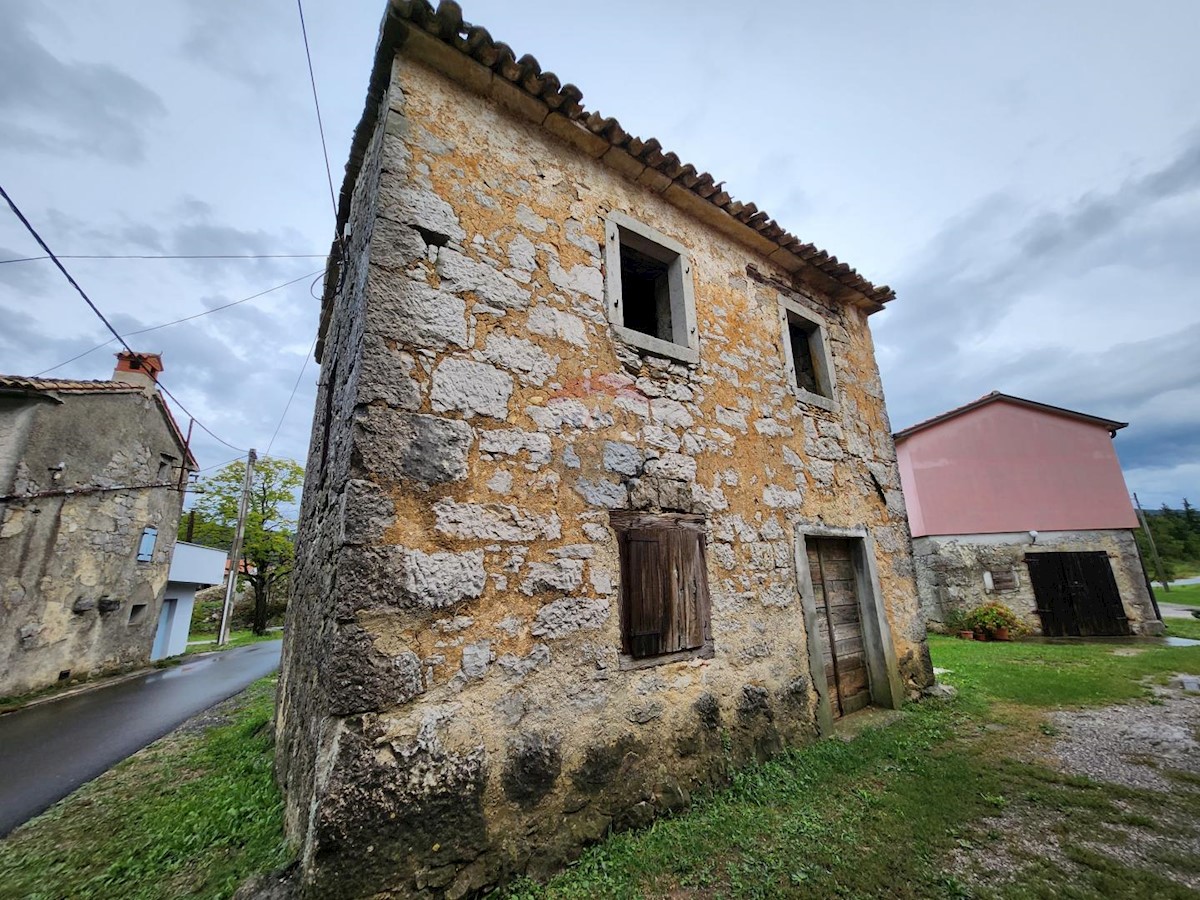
(601, 501)
(89, 507)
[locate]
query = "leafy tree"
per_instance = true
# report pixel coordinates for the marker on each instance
(268, 545)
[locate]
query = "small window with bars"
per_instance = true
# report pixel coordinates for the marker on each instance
(665, 609)
(145, 551)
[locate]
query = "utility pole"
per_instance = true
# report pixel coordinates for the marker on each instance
(235, 552)
(1153, 549)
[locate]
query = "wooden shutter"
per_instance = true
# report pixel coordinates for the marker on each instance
(664, 590)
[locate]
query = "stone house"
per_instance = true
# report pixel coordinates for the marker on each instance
(89, 507)
(1024, 503)
(600, 463)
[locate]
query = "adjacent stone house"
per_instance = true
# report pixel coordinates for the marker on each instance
(89, 506)
(600, 465)
(1024, 503)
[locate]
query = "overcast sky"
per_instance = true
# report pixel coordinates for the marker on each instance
(1025, 175)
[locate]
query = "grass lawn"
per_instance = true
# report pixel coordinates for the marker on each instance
(191, 816)
(890, 815)
(1183, 595)
(236, 639)
(1184, 628)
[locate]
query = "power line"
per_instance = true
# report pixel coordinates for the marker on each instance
(217, 466)
(312, 78)
(88, 300)
(291, 397)
(178, 321)
(50, 253)
(21, 259)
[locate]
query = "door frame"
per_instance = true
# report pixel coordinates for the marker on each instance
(882, 669)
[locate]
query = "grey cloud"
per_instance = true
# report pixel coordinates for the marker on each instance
(67, 108)
(226, 36)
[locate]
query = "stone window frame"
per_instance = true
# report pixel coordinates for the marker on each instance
(619, 228)
(818, 346)
(883, 669)
(631, 520)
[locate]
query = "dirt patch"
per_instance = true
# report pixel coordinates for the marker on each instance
(1112, 801)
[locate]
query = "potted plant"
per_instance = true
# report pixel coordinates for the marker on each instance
(956, 623)
(993, 620)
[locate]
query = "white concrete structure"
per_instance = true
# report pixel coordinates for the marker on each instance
(192, 567)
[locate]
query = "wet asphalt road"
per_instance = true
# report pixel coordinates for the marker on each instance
(49, 750)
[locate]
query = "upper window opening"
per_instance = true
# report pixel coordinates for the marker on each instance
(646, 293)
(648, 288)
(800, 333)
(146, 545)
(665, 606)
(809, 363)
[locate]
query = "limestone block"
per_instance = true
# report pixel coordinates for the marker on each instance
(414, 205)
(520, 355)
(585, 280)
(622, 458)
(414, 313)
(511, 441)
(386, 374)
(393, 445)
(551, 322)
(494, 522)
(569, 615)
(434, 580)
(561, 575)
(461, 275)
(670, 412)
(476, 658)
(522, 254)
(673, 465)
(474, 389)
(779, 498)
(602, 493)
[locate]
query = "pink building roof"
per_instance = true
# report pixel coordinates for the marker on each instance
(1005, 464)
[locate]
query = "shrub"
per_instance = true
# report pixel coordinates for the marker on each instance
(991, 616)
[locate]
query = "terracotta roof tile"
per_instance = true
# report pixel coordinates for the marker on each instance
(66, 386)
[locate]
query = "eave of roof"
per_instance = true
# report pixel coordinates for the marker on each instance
(469, 54)
(1111, 425)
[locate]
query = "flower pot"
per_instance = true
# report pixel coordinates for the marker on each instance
(1002, 634)
(967, 635)
(980, 636)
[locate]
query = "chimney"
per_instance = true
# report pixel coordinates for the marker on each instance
(140, 369)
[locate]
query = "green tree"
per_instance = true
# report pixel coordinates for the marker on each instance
(268, 545)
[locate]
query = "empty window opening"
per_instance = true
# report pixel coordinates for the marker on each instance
(646, 292)
(801, 334)
(665, 609)
(64, 675)
(146, 545)
(137, 614)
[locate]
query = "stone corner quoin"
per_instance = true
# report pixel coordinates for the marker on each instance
(456, 706)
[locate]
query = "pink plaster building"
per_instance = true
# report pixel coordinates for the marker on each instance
(1018, 501)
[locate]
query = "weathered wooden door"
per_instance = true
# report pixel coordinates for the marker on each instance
(1076, 594)
(839, 623)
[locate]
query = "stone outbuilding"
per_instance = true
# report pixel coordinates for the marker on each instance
(602, 499)
(1024, 503)
(90, 476)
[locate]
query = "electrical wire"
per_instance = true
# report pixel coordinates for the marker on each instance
(312, 78)
(116, 334)
(292, 397)
(184, 319)
(21, 259)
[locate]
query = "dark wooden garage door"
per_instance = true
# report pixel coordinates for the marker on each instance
(1076, 594)
(839, 623)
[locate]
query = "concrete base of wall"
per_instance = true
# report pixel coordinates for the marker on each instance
(956, 573)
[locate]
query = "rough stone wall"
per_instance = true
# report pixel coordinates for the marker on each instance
(69, 574)
(454, 709)
(950, 573)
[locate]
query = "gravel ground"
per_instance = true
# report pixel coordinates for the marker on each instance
(1133, 746)
(1130, 745)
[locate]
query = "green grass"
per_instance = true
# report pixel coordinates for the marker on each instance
(1184, 628)
(1050, 675)
(1183, 595)
(236, 639)
(191, 816)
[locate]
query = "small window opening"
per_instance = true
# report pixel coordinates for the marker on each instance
(801, 333)
(646, 293)
(146, 545)
(665, 609)
(137, 614)
(64, 675)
